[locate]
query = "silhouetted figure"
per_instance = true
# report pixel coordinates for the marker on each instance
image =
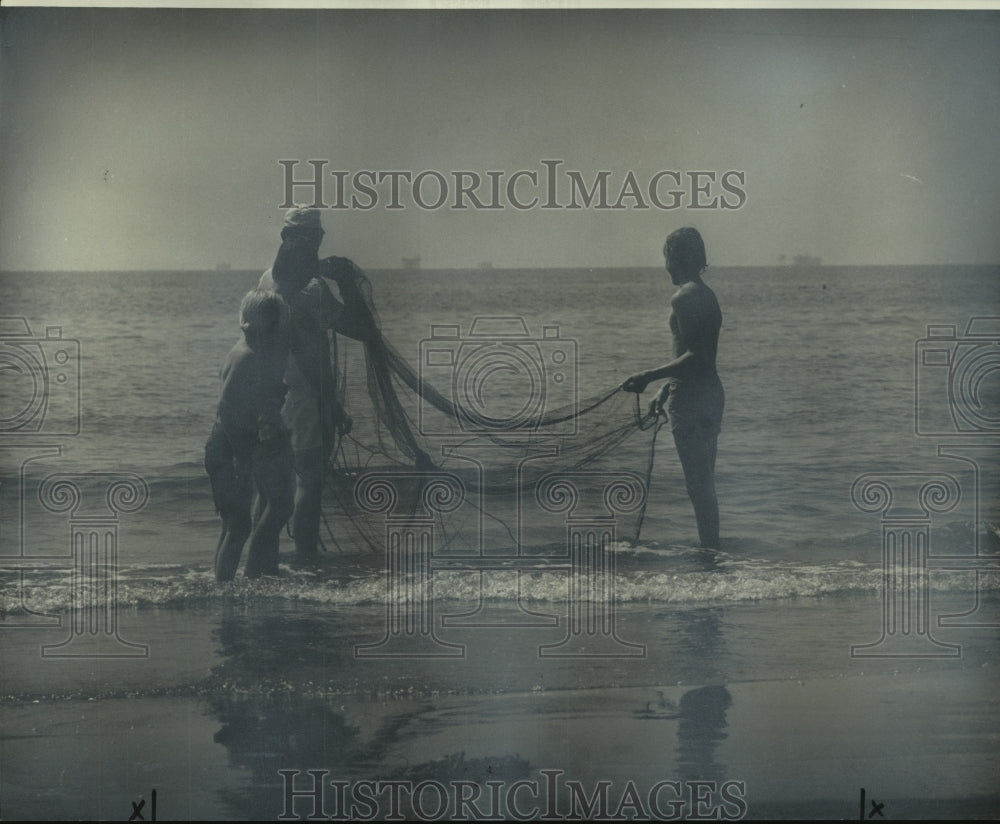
(313, 410)
(700, 729)
(249, 448)
(692, 397)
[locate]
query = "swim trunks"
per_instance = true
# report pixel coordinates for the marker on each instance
(695, 406)
(234, 471)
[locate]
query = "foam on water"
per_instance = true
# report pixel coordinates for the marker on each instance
(643, 574)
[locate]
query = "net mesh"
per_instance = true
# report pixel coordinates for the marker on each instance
(496, 411)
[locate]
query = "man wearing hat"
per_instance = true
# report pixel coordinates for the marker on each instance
(312, 409)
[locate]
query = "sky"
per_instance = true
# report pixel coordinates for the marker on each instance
(151, 138)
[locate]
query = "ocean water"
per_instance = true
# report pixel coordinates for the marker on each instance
(204, 691)
(825, 381)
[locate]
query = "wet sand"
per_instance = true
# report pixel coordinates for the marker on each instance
(754, 710)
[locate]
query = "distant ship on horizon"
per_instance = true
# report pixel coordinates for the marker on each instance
(223, 267)
(801, 260)
(411, 262)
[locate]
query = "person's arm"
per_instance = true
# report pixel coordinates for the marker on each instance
(270, 424)
(293, 267)
(693, 359)
(659, 400)
(237, 414)
(676, 367)
(352, 317)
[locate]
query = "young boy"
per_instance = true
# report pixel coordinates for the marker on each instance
(249, 446)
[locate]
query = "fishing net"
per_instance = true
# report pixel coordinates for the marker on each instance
(488, 438)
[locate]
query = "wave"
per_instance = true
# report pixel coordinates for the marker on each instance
(643, 574)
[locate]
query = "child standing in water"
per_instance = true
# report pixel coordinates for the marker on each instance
(249, 447)
(692, 397)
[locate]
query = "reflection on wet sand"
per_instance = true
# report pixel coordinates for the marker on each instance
(277, 712)
(266, 728)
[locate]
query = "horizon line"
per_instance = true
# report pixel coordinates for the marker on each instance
(476, 268)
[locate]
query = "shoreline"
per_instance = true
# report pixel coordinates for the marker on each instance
(269, 643)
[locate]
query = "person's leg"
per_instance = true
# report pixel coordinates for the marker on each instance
(309, 470)
(697, 452)
(235, 529)
(273, 474)
(231, 492)
(262, 554)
